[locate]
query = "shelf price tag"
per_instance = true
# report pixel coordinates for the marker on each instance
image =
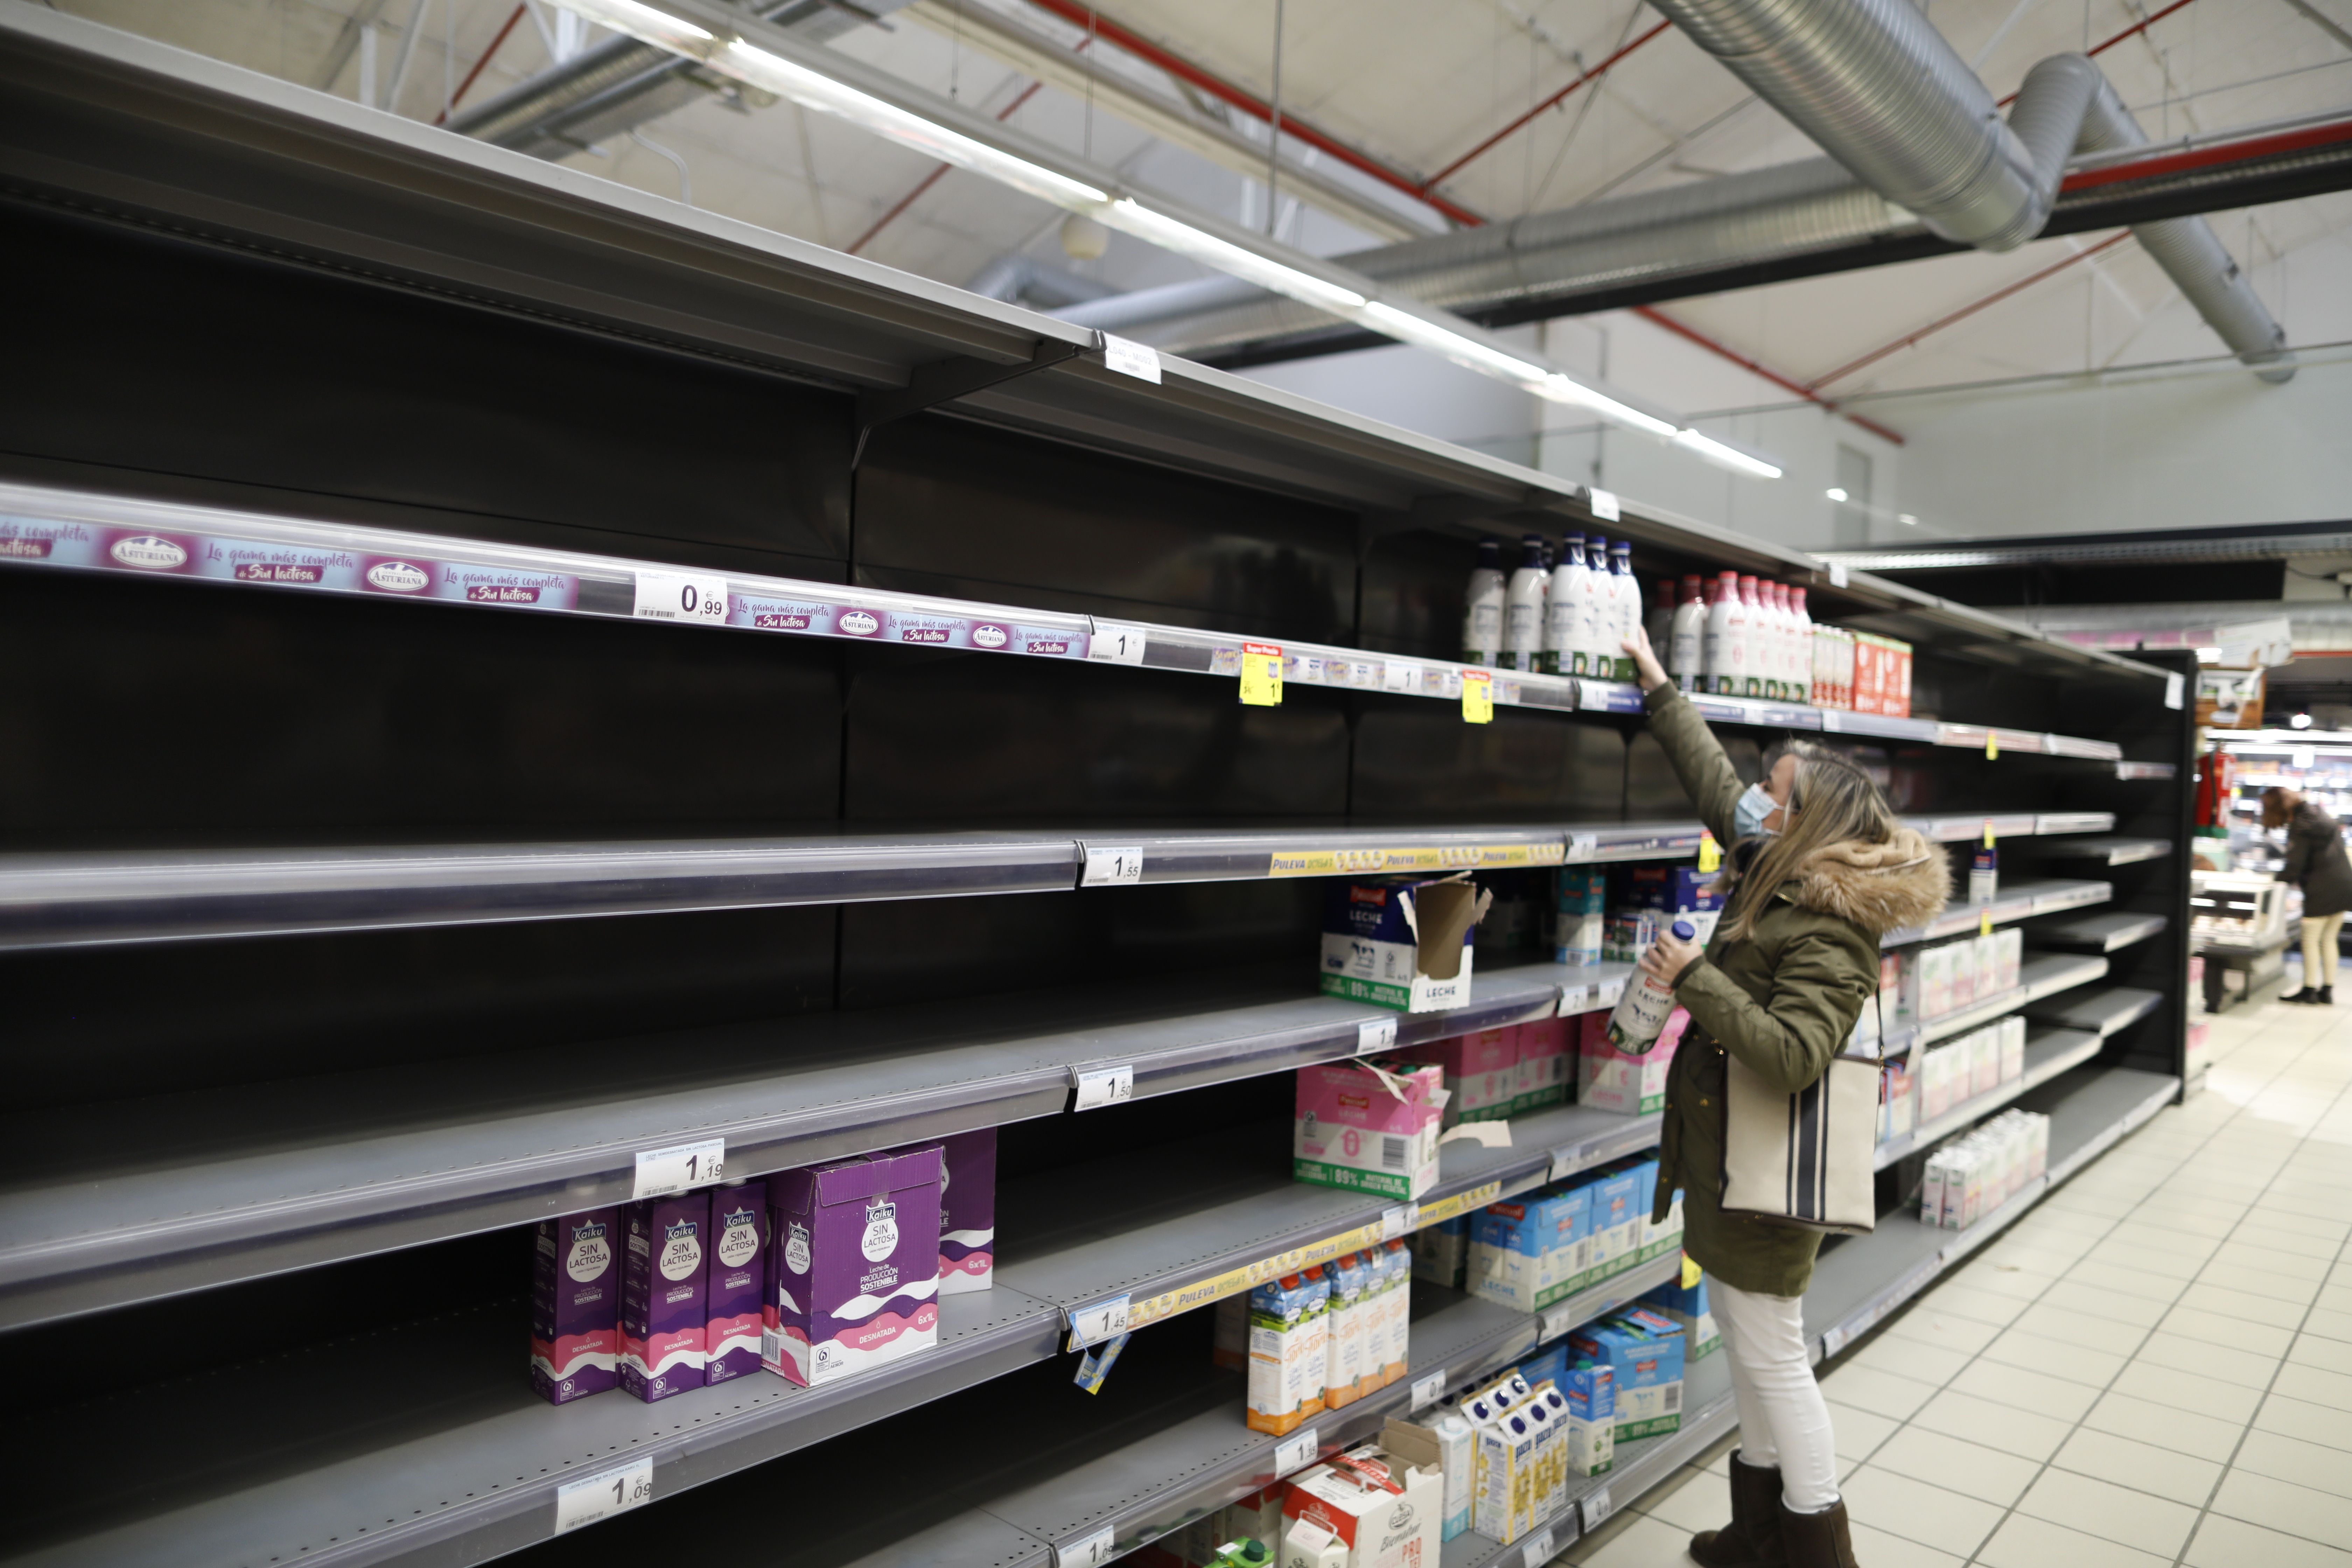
(699, 597)
(1375, 1035)
(1575, 999)
(1477, 697)
(1098, 1087)
(1608, 993)
(1710, 853)
(1597, 1510)
(1691, 1273)
(1538, 1549)
(661, 1171)
(1582, 845)
(1262, 674)
(1984, 922)
(1295, 1452)
(1428, 1391)
(1095, 1365)
(1115, 642)
(1395, 677)
(1105, 1320)
(2174, 690)
(1113, 868)
(1837, 573)
(1399, 1220)
(593, 1498)
(1604, 505)
(1129, 357)
(1088, 1551)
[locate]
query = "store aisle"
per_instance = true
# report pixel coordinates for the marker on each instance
(2153, 1368)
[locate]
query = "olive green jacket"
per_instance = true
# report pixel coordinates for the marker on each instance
(1784, 1000)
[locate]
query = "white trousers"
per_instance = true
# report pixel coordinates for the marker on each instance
(1783, 1419)
(2318, 952)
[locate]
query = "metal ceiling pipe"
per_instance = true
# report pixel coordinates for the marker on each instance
(1876, 87)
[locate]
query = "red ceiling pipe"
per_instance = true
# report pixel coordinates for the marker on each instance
(516, 15)
(1552, 102)
(2143, 26)
(1651, 313)
(2331, 133)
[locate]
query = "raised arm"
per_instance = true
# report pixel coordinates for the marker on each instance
(1698, 757)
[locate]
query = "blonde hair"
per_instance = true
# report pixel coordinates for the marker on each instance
(1831, 801)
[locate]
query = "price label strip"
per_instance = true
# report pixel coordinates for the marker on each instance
(1118, 866)
(1115, 642)
(695, 597)
(1575, 999)
(681, 1166)
(1262, 674)
(1538, 1549)
(1477, 697)
(1098, 1087)
(1597, 1509)
(1399, 1221)
(1088, 1551)
(1375, 1035)
(1428, 1391)
(593, 1498)
(1129, 357)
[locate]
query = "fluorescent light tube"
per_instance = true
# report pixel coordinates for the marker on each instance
(646, 22)
(1467, 351)
(1724, 457)
(1132, 216)
(1560, 389)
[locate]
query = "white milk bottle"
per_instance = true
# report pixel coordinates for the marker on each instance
(1523, 607)
(1481, 618)
(1803, 670)
(1594, 657)
(1725, 625)
(1642, 1011)
(1748, 652)
(1684, 643)
(1625, 598)
(1560, 604)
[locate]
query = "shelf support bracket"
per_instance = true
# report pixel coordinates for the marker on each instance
(944, 380)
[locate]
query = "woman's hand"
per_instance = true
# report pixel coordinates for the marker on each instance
(1670, 954)
(1646, 668)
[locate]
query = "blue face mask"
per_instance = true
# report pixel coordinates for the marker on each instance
(1747, 813)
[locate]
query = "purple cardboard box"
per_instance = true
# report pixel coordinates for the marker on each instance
(968, 1212)
(575, 1306)
(738, 1279)
(858, 1264)
(664, 1279)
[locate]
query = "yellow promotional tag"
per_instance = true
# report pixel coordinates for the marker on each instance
(1984, 922)
(1690, 1273)
(1710, 853)
(1992, 747)
(1988, 834)
(1477, 697)
(1262, 674)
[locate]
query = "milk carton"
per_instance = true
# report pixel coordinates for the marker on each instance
(1936, 980)
(1582, 911)
(1350, 1312)
(1504, 1487)
(1988, 960)
(967, 1211)
(2013, 1047)
(1686, 1306)
(1610, 1080)
(1617, 1215)
(1984, 1061)
(1367, 1129)
(1396, 1268)
(1386, 1513)
(1531, 1252)
(665, 1293)
(1901, 1112)
(1505, 1392)
(1481, 1068)
(1643, 1353)
(575, 1306)
(1591, 1393)
(857, 1270)
(1544, 1070)
(2009, 954)
(737, 1291)
(1442, 1444)
(1963, 960)
(1289, 1324)
(1441, 1251)
(1400, 942)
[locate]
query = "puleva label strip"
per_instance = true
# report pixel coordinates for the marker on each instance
(1251, 1276)
(1413, 858)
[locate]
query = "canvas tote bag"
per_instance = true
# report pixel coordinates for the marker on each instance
(1808, 1159)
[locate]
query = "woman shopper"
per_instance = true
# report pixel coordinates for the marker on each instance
(2317, 864)
(1818, 870)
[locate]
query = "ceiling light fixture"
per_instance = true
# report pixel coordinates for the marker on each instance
(1409, 322)
(1834, 493)
(1907, 519)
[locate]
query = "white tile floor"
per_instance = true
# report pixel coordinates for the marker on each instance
(2152, 1368)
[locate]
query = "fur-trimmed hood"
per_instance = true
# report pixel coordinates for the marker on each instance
(1893, 886)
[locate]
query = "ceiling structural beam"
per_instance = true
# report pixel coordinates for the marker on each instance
(1046, 59)
(1965, 311)
(1249, 103)
(1554, 102)
(464, 87)
(2321, 21)
(1692, 334)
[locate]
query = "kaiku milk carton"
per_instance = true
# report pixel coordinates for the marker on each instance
(967, 1208)
(1371, 1129)
(665, 1294)
(575, 1306)
(738, 1281)
(1401, 942)
(857, 1264)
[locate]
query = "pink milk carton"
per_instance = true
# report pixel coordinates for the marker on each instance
(1369, 1128)
(1482, 1072)
(1608, 1079)
(1545, 1071)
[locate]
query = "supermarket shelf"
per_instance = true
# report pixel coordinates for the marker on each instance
(1615, 697)
(180, 1192)
(1218, 855)
(2116, 851)
(2021, 901)
(2073, 822)
(2109, 933)
(2048, 1053)
(1862, 1279)
(1708, 1413)
(2041, 974)
(2148, 770)
(2102, 1012)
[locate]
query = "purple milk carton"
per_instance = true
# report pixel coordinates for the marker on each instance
(738, 1281)
(967, 1209)
(575, 1306)
(665, 1286)
(858, 1264)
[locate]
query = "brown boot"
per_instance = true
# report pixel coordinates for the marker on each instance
(1752, 1539)
(1817, 1540)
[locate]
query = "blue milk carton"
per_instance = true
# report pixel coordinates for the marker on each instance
(1617, 1217)
(1643, 1352)
(1590, 1391)
(1583, 911)
(1686, 1307)
(1530, 1253)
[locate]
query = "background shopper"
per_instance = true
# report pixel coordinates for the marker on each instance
(2315, 862)
(1819, 869)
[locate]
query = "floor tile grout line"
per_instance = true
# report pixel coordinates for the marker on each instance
(2076, 1426)
(2205, 1512)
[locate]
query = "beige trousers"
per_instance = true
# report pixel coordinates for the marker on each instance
(2319, 950)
